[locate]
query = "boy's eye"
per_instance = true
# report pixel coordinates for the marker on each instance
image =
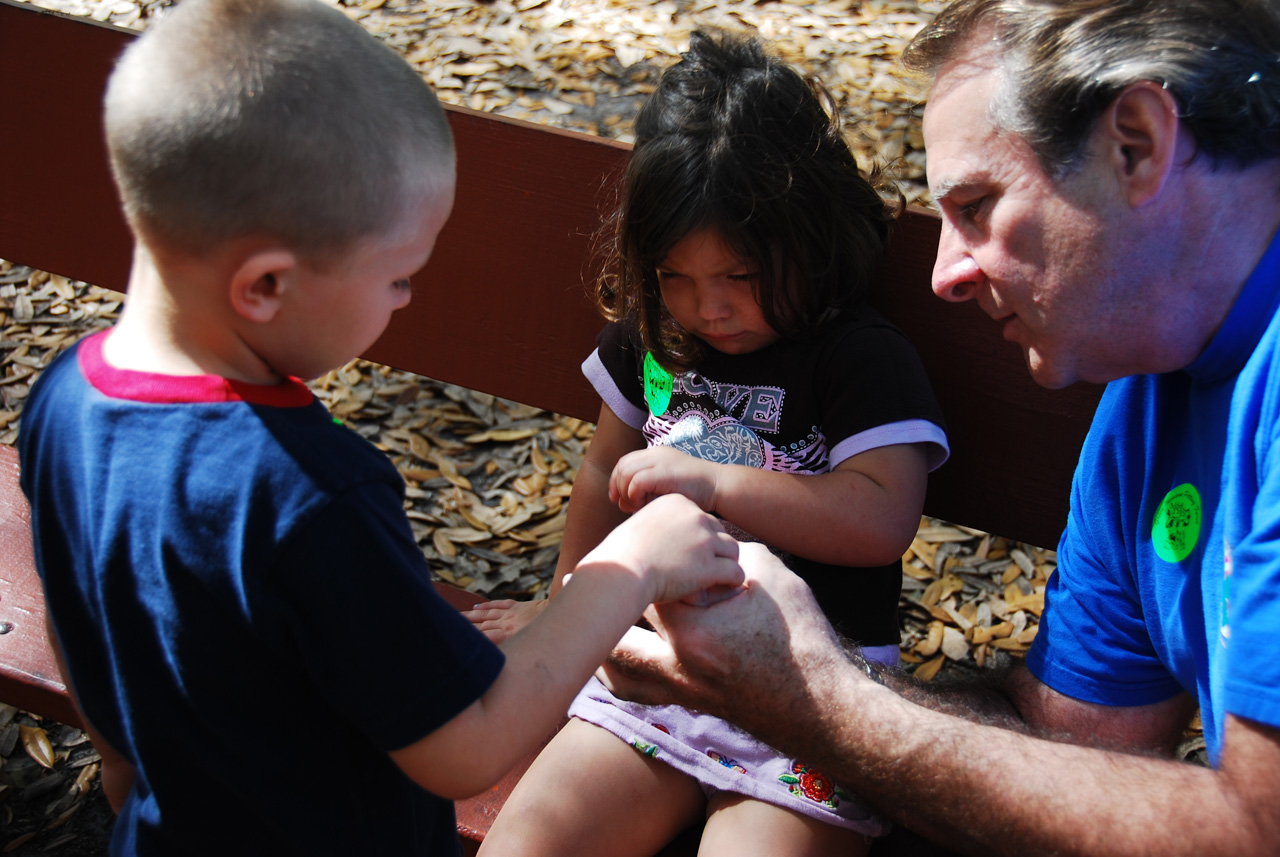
(402, 285)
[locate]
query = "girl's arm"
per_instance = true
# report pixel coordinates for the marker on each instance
(863, 513)
(591, 517)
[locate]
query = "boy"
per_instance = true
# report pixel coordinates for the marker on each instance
(245, 617)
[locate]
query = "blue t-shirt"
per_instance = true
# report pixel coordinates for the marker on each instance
(1168, 573)
(244, 610)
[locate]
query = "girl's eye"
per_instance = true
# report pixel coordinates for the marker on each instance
(743, 278)
(402, 285)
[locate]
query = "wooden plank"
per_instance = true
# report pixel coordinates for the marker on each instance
(502, 305)
(61, 213)
(29, 673)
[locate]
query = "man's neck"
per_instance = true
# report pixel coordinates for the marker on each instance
(1239, 220)
(1211, 240)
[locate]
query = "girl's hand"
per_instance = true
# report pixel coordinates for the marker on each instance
(639, 477)
(499, 620)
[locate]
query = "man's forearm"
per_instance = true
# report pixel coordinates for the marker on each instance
(986, 789)
(980, 697)
(767, 661)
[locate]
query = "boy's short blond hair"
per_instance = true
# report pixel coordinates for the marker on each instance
(281, 119)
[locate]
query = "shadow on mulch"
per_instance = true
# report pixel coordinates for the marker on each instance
(84, 834)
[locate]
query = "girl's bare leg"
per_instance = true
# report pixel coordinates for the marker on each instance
(590, 793)
(739, 826)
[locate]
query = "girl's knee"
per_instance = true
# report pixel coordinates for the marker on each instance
(740, 826)
(589, 792)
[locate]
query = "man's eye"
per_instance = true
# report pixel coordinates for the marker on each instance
(973, 210)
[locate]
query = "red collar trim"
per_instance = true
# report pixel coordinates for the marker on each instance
(181, 389)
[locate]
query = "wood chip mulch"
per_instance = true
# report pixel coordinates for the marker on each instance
(487, 479)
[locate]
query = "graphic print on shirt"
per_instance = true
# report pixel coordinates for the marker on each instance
(728, 424)
(1176, 528)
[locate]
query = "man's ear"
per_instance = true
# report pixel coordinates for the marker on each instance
(1142, 128)
(260, 282)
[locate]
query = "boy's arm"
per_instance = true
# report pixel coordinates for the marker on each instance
(118, 773)
(671, 550)
(862, 513)
(591, 517)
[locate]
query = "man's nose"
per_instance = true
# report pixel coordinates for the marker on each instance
(956, 275)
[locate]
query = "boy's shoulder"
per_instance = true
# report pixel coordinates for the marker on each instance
(202, 424)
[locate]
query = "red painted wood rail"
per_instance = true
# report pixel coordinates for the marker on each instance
(500, 308)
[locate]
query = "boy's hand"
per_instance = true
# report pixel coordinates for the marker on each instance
(679, 549)
(500, 619)
(639, 477)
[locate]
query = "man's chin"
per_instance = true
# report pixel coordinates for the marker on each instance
(1046, 373)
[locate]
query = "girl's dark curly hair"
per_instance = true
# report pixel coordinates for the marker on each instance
(736, 140)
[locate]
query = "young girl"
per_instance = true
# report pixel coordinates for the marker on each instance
(743, 370)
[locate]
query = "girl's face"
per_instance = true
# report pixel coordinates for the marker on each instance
(709, 291)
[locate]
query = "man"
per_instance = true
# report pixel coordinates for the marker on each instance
(1108, 173)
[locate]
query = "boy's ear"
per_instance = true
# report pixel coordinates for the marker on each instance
(1142, 129)
(260, 282)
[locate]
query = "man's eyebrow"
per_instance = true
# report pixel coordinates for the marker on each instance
(947, 189)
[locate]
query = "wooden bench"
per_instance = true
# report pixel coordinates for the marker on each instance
(500, 308)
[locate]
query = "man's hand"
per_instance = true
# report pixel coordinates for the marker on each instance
(680, 550)
(747, 659)
(639, 477)
(500, 619)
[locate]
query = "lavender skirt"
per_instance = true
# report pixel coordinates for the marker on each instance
(722, 757)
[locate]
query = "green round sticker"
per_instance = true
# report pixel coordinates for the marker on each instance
(657, 385)
(1177, 525)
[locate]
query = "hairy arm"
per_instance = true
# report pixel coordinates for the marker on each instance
(1005, 782)
(864, 512)
(993, 790)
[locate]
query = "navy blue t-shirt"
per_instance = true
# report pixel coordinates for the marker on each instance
(244, 610)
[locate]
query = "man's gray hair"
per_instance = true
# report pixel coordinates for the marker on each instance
(1062, 62)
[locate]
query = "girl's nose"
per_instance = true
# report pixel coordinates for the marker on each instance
(713, 302)
(956, 276)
